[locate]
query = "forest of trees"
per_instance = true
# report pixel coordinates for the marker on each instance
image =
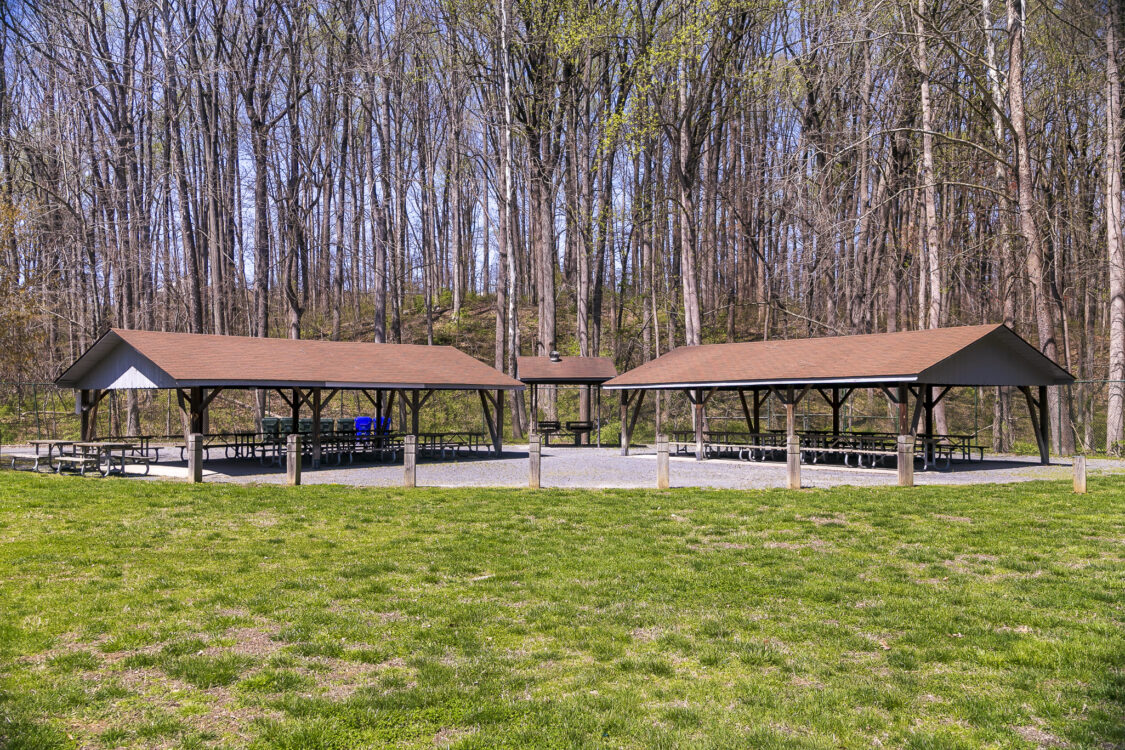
(618, 177)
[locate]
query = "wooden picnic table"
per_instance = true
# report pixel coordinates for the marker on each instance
(51, 445)
(100, 449)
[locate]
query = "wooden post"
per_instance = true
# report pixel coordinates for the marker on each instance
(905, 460)
(1044, 427)
(316, 429)
(662, 462)
(698, 405)
(534, 452)
(196, 399)
(793, 458)
(195, 458)
(758, 412)
(836, 410)
(903, 406)
(1080, 474)
(625, 436)
(598, 398)
(498, 442)
(293, 459)
(414, 409)
(296, 410)
(409, 446)
(1039, 421)
(81, 405)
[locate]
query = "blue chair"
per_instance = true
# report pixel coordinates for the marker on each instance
(363, 425)
(386, 430)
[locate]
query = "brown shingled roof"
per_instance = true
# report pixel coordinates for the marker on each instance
(968, 355)
(566, 370)
(186, 359)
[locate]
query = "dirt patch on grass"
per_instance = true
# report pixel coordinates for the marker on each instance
(952, 519)
(450, 735)
(1041, 737)
(816, 544)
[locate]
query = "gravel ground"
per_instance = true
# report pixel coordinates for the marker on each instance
(607, 468)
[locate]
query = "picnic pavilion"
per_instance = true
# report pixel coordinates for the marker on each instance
(303, 373)
(586, 373)
(908, 366)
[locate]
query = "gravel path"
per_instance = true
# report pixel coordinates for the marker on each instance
(607, 468)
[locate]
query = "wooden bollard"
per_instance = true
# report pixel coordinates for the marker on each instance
(662, 482)
(905, 460)
(534, 458)
(1080, 474)
(409, 453)
(793, 462)
(195, 458)
(293, 460)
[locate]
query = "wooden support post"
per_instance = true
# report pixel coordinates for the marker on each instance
(1080, 474)
(758, 410)
(296, 410)
(316, 406)
(836, 403)
(928, 431)
(195, 458)
(698, 405)
(793, 459)
(628, 422)
(905, 460)
(662, 482)
(534, 453)
(82, 406)
(498, 441)
(598, 398)
(293, 459)
(903, 403)
(414, 408)
(623, 435)
(1039, 425)
(378, 411)
(409, 452)
(1044, 427)
(196, 400)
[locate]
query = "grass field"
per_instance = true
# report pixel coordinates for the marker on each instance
(146, 614)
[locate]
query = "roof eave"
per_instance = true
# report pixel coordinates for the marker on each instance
(762, 383)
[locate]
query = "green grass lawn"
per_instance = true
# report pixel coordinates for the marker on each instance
(150, 614)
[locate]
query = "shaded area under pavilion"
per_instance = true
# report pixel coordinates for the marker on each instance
(919, 366)
(586, 373)
(303, 373)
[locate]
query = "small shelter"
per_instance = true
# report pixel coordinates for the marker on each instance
(923, 365)
(588, 373)
(302, 372)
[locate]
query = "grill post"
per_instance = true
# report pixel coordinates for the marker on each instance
(293, 459)
(793, 461)
(409, 447)
(905, 460)
(662, 462)
(1080, 474)
(195, 458)
(534, 455)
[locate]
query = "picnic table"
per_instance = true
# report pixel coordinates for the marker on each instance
(451, 442)
(100, 455)
(860, 448)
